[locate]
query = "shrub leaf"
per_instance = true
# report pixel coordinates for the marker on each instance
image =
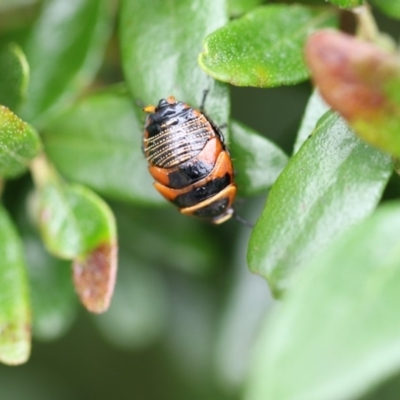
(64, 51)
(14, 76)
(160, 41)
(98, 143)
(19, 143)
(15, 315)
(76, 224)
(334, 181)
(265, 47)
(336, 334)
(361, 82)
(257, 161)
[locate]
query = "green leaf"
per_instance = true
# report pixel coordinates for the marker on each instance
(15, 318)
(265, 47)
(347, 3)
(76, 224)
(14, 76)
(73, 220)
(64, 51)
(159, 51)
(98, 143)
(257, 161)
(334, 181)
(239, 7)
(19, 143)
(137, 315)
(361, 82)
(389, 7)
(316, 108)
(54, 301)
(336, 334)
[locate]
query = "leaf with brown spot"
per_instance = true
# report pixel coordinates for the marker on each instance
(94, 277)
(76, 224)
(361, 82)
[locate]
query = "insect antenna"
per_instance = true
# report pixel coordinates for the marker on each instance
(242, 220)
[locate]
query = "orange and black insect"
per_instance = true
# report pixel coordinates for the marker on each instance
(189, 160)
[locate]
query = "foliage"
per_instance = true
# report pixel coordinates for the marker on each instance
(70, 132)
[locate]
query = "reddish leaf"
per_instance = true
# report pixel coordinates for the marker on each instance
(94, 277)
(361, 82)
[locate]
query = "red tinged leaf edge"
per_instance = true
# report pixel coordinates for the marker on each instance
(355, 77)
(94, 277)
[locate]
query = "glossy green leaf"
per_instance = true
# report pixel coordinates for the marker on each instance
(64, 51)
(316, 108)
(137, 315)
(334, 181)
(360, 81)
(257, 161)
(54, 302)
(160, 41)
(19, 143)
(347, 3)
(15, 316)
(389, 7)
(73, 220)
(239, 7)
(336, 334)
(14, 76)
(98, 143)
(265, 47)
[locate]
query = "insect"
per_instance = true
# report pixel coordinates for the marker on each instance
(189, 161)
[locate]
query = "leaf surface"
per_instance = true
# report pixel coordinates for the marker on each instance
(64, 51)
(14, 76)
(77, 224)
(98, 143)
(15, 314)
(334, 181)
(336, 334)
(19, 144)
(265, 47)
(361, 82)
(160, 41)
(257, 161)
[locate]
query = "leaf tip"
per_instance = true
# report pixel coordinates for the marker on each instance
(94, 277)
(15, 344)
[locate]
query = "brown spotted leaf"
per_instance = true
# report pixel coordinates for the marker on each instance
(94, 277)
(77, 225)
(361, 82)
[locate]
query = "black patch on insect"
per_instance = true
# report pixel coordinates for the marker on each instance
(189, 173)
(213, 210)
(202, 193)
